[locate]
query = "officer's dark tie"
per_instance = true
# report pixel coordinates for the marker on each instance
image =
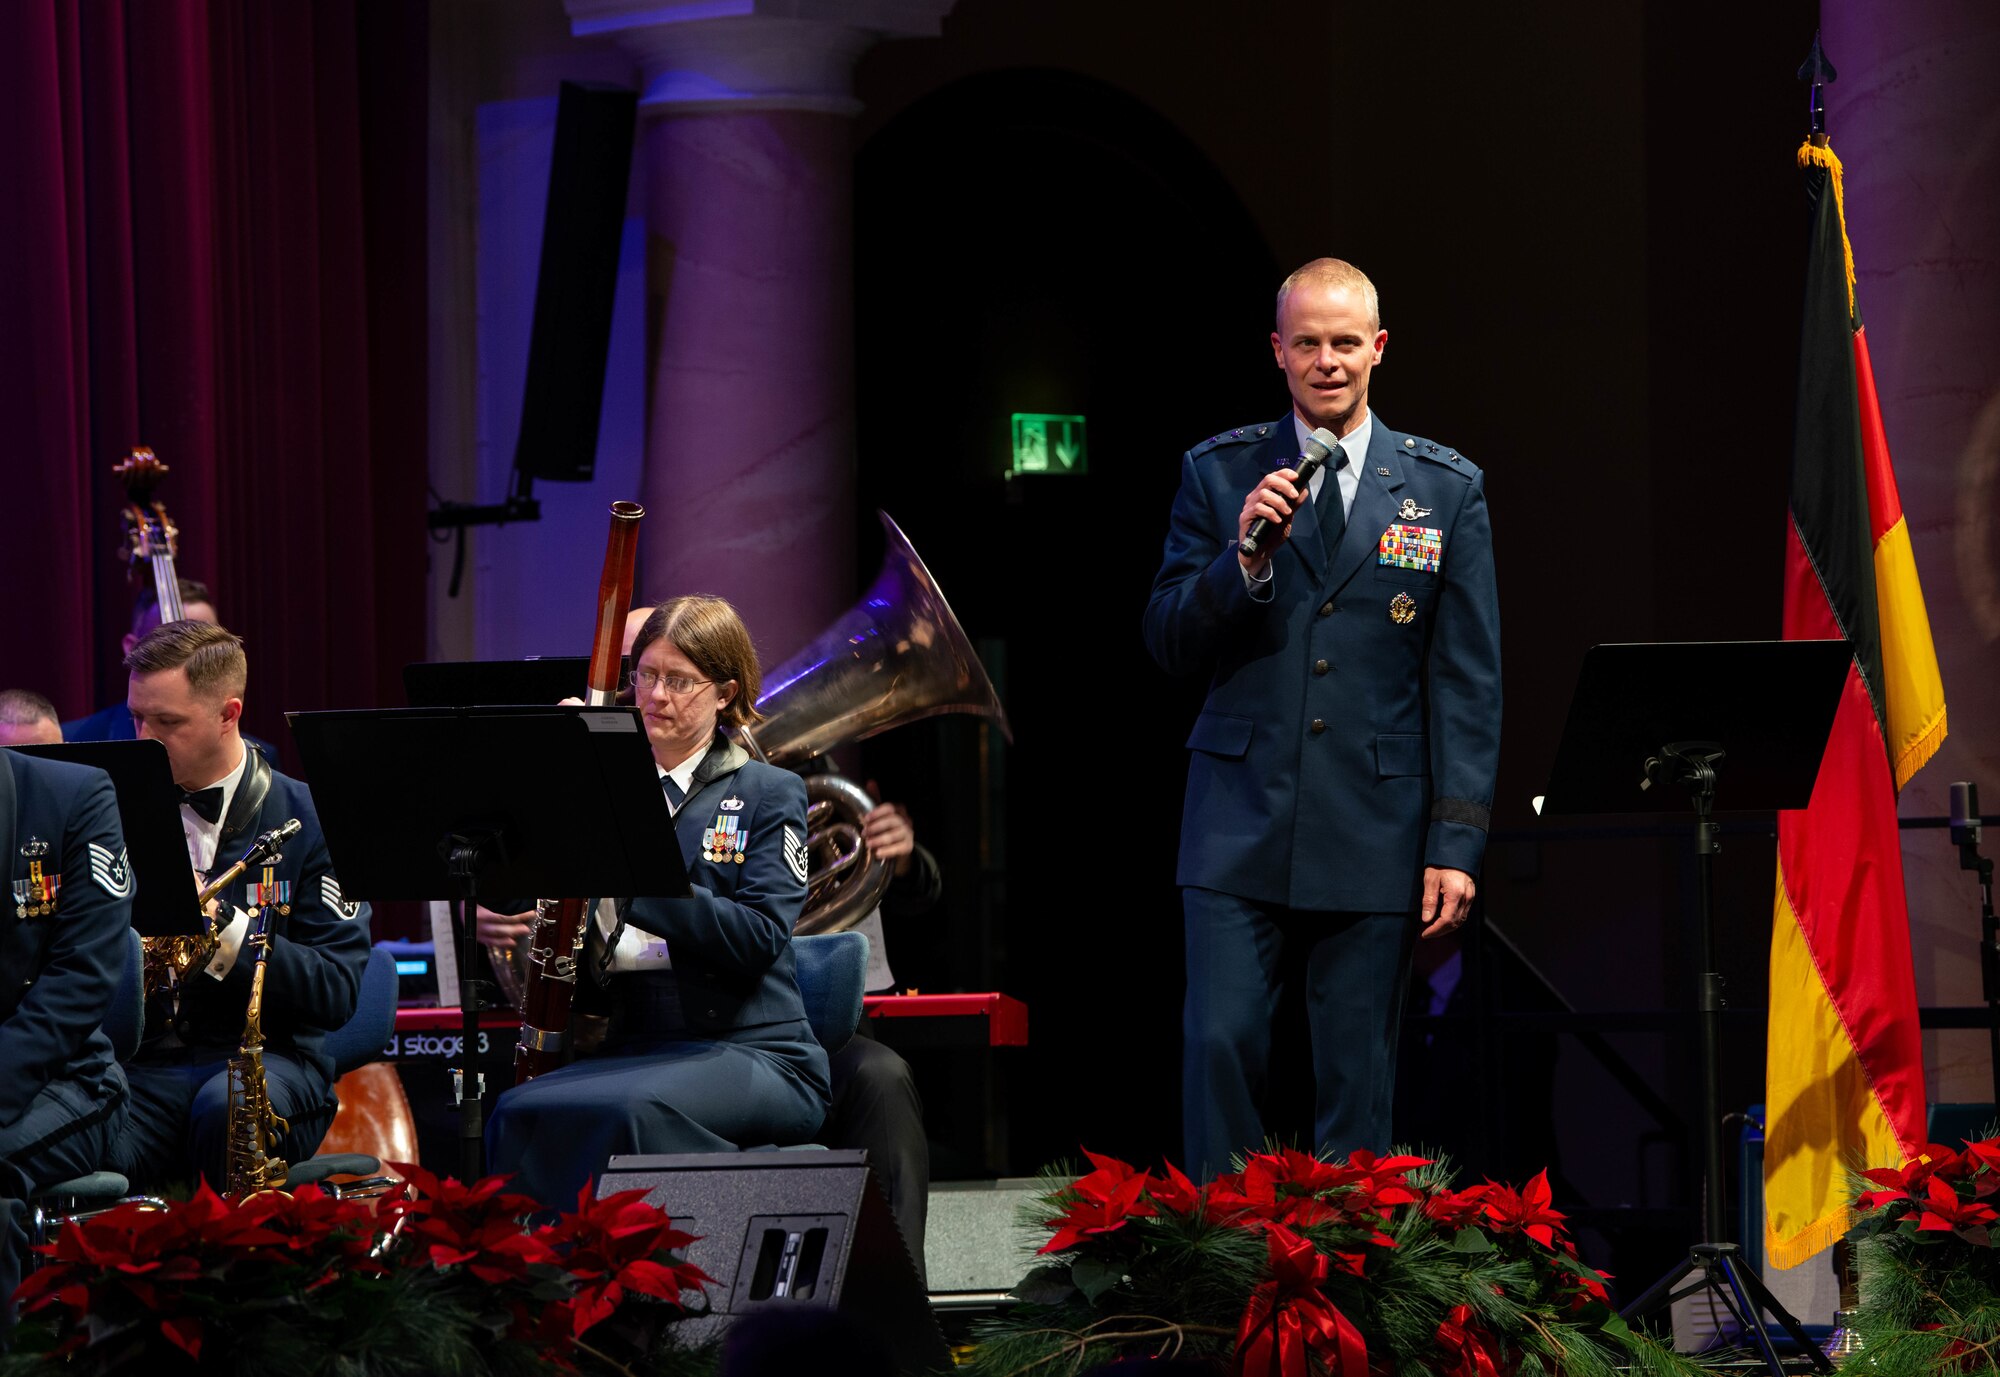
(207, 803)
(1331, 510)
(675, 794)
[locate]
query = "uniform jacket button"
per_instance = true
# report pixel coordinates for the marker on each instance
(1326, 610)
(1319, 725)
(1319, 667)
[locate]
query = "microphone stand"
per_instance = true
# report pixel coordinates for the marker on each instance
(1966, 834)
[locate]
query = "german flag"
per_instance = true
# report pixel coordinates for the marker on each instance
(1844, 1080)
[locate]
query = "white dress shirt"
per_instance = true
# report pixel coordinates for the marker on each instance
(636, 950)
(203, 837)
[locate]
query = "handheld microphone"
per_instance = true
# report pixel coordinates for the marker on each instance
(1965, 813)
(1320, 446)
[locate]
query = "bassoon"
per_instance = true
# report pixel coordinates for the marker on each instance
(555, 945)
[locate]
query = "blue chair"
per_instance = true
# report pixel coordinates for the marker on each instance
(833, 976)
(354, 1044)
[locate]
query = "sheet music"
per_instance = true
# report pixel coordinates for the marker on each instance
(445, 958)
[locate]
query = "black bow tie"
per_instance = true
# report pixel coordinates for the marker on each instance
(207, 803)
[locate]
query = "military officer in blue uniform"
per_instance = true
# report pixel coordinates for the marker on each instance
(1341, 770)
(709, 1048)
(186, 691)
(63, 947)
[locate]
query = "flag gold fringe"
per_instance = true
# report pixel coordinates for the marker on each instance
(1819, 155)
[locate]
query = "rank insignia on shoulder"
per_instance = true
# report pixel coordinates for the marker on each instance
(795, 854)
(329, 892)
(1402, 609)
(112, 873)
(34, 848)
(1410, 511)
(732, 804)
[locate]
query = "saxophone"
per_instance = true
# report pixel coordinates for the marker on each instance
(170, 960)
(253, 1162)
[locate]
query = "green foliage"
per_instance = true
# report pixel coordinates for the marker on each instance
(1151, 1266)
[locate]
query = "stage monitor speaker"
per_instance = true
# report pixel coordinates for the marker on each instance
(581, 230)
(784, 1231)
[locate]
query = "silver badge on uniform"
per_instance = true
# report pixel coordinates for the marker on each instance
(34, 848)
(1410, 511)
(732, 804)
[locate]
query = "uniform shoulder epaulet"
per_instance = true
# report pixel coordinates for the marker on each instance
(1245, 435)
(1436, 453)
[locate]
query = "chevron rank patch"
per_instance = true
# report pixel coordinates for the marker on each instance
(113, 874)
(1411, 547)
(329, 890)
(795, 854)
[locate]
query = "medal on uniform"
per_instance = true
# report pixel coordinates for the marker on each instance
(272, 892)
(1402, 609)
(35, 897)
(722, 842)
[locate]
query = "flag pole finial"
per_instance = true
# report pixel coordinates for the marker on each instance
(1820, 74)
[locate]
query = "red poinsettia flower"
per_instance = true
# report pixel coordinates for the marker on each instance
(1942, 1209)
(1525, 1211)
(1100, 1203)
(1985, 1152)
(616, 1244)
(1450, 1209)
(1174, 1191)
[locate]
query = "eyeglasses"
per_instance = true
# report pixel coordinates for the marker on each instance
(645, 681)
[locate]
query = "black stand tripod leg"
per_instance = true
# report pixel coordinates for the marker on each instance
(1755, 1298)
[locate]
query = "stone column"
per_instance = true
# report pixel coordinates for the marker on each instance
(745, 139)
(1913, 119)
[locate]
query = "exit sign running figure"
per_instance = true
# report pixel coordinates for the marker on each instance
(1049, 444)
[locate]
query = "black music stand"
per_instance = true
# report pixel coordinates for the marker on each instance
(1644, 720)
(149, 812)
(451, 803)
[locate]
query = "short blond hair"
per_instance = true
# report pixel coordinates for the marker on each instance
(709, 632)
(1333, 272)
(214, 659)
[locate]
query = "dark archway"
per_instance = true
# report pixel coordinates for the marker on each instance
(1034, 241)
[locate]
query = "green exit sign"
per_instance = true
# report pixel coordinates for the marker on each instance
(1049, 444)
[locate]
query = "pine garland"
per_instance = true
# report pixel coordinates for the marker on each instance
(1928, 1264)
(1310, 1268)
(441, 1278)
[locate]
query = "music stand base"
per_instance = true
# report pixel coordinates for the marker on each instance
(1721, 1271)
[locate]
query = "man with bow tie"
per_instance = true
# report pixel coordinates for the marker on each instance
(1341, 771)
(186, 691)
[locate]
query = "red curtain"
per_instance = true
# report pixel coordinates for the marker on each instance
(212, 242)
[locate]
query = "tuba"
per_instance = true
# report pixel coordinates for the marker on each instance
(897, 656)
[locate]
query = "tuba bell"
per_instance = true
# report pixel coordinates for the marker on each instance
(896, 656)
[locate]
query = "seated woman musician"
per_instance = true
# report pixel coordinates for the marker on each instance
(709, 1048)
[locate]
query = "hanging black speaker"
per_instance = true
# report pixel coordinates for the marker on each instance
(788, 1236)
(578, 279)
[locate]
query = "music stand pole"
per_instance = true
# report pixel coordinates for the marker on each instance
(1774, 702)
(1965, 830)
(464, 853)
